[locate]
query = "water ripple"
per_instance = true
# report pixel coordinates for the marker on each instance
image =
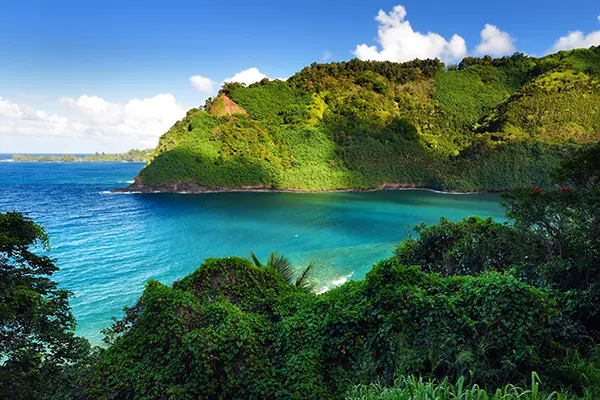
(108, 246)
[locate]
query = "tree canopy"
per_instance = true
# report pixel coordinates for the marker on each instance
(39, 352)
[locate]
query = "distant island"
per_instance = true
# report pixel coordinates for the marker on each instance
(484, 124)
(133, 155)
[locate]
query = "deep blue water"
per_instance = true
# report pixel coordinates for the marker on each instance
(108, 245)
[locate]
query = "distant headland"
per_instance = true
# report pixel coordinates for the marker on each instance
(133, 155)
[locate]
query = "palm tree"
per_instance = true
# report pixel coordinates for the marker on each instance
(303, 281)
(282, 264)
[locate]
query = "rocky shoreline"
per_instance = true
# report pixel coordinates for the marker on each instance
(195, 188)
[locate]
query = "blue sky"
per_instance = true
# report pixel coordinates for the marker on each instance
(81, 76)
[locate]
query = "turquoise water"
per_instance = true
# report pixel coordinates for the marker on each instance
(108, 245)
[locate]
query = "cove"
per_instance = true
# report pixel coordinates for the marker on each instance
(108, 245)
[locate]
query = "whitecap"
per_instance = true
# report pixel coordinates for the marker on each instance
(323, 290)
(342, 280)
(336, 282)
(110, 192)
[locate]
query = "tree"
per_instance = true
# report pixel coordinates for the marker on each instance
(283, 265)
(566, 222)
(582, 170)
(40, 355)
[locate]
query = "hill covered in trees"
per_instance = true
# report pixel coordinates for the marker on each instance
(484, 124)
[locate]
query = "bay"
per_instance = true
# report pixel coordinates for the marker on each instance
(109, 245)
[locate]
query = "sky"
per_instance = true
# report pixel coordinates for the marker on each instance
(87, 76)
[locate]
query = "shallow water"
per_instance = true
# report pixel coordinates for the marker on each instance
(108, 245)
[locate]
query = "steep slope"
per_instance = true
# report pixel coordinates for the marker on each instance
(555, 107)
(486, 124)
(223, 105)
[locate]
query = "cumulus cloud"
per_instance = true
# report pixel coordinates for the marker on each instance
(23, 119)
(576, 40)
(248, 76)
(10, 110)
(145, 119)
(139, 121)
(494, 42)
(95, 109)
(202, 84)
(399, 42)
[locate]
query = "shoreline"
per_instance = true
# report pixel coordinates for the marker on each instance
(69, 162)
(194, 188)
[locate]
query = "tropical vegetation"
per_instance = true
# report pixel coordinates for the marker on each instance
(484, 124)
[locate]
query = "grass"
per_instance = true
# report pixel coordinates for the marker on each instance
(412, 388)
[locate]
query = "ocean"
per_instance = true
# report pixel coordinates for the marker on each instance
(109, 245)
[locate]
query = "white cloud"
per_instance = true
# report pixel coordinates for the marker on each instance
(145, 119)
(202, 84)
(576, 40)
(399, 42)
(494, 42)
(326, 56)
(20, 119)
(138, 122)
(9, 110)
(248, 76)
(599, 18)
(95, 109)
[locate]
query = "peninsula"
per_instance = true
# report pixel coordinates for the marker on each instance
(133, 155)
(482, 125)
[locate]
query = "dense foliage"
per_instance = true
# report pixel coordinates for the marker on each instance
(232, 330)
(552, 239)
(486, 124)
(40, 357)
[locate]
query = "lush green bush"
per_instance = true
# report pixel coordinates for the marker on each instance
(468, 247)
(40, 356)
(566, 223)
(235, 330)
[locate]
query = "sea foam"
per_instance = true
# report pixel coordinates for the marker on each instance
(335, 282)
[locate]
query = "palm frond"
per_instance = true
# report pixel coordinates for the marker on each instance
(283, 265)
(252, 257)
(303, 281)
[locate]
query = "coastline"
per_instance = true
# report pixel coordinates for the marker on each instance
(194, 188)
(71, 161)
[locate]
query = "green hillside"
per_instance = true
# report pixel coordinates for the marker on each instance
(485, 124)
